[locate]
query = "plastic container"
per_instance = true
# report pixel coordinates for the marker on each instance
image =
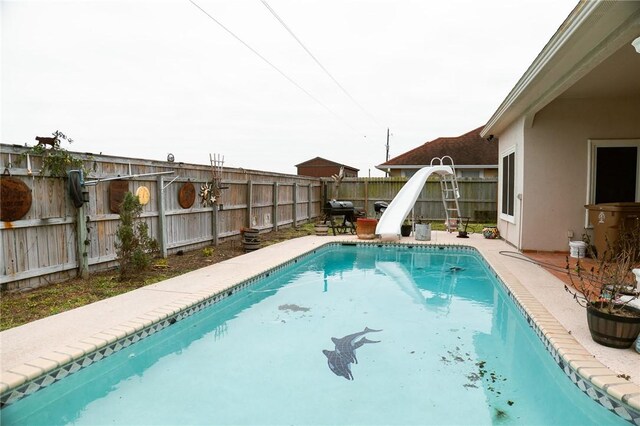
(577, 249)
(423, 232)
(607, 219)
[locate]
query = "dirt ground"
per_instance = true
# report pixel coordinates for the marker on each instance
(188, 261)
(17, 308)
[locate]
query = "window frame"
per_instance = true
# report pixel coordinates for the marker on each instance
(505, 213)
(592, 149)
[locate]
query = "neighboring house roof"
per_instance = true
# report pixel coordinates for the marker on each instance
(469, 149)
(593, 32)
(319, 161)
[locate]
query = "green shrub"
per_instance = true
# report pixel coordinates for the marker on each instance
(134, 247)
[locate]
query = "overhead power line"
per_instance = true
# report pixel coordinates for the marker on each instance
(273, 12)
(273, 66)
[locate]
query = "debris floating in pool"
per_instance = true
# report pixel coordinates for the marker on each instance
(293, 307)
(340, 359)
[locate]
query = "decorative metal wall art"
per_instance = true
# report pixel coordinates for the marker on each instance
(186, 195)
(143, 195)
(15, 199)
(207, 194)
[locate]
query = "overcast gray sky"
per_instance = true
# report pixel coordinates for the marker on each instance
(145, 78)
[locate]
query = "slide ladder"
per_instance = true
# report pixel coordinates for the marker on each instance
(401, 205)
(450, 195)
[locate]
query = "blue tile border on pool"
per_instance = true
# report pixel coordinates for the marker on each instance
(12, 395)
(50, 377)
(622, 410)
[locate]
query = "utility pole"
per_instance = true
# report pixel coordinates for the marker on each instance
(387, 173)
(387, 144)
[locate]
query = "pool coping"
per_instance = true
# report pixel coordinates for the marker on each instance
(591, 376)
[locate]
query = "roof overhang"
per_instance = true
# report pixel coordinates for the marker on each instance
(591, 33)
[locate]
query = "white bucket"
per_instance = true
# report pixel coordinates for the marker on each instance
(578, 248)
(423, 232)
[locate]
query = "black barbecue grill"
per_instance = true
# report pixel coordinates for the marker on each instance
(342, 209)
(380, 207)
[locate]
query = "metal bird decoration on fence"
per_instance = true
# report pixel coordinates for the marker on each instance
(207, 195)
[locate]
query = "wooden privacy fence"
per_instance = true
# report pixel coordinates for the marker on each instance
(478, 197)
(54, 239)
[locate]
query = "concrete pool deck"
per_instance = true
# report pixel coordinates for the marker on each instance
(31, 350)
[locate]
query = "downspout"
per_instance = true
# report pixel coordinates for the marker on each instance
(521, 199)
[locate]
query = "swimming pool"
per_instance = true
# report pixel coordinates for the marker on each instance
(451, 349)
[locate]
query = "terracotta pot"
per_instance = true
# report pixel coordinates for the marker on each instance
(611, 330)
(366, 228)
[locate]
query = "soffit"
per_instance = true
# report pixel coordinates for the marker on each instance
(617, 77)
(592, 34)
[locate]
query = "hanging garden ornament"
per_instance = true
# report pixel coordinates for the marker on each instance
(143, 195)
(207, 197)
(186, 195)
(15, 198)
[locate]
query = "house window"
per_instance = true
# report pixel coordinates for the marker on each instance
(508, 184)
(409, 173)
(614, 171)
(469, 173)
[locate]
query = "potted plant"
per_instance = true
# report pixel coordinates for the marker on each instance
(406, 228)
(608, 288)
(491, 232)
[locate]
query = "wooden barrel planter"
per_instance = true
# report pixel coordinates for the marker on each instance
(614, 331)
(366, 228)
(250, 239)
(321, 229)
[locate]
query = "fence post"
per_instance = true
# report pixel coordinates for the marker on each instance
(214, 224)
(162, 218)
(275, 206)
(366, 197)
(309, 192)
(249, 205)
(82, 242)
(295, 204)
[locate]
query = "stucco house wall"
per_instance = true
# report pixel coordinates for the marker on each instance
(511, 140)
(555, 172)
(581, 91)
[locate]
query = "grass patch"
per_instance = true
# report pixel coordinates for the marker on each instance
(20, 308)
(17, 308)
(472, 228)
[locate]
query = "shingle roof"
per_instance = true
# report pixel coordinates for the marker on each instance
(468, 149)
(319, 161)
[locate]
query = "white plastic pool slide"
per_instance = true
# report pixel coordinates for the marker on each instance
(399, 208)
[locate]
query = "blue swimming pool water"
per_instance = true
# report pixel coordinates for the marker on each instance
(450, 349)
